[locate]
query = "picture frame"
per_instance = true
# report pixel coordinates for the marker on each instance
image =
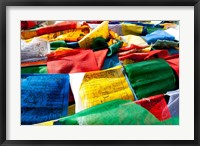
(3, 54)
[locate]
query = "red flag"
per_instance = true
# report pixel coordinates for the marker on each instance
(56, 27)
(100, 57)
(71, 61)
(156, 105)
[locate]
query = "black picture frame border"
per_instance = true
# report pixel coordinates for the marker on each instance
(5, 3)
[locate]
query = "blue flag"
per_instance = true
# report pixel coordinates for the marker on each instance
(44, 97)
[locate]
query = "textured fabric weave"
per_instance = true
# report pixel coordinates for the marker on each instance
(116, 112)
(150, 77)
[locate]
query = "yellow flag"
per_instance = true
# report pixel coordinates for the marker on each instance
(147, 49)
(72, 35)
(131, 29)
(102, 86)
(26, 34)
(99, 31)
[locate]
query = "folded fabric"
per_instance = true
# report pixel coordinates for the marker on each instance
(115, 112)
(97, 87)
(133, 39)
(158, 35)
(100, 31)
(110, 62)
(36, 50)
(71, 35)
(173, 51)
(131, 29)
(49, 29)
(156, 105)
(174, 63)
(144, 56)
(126, 61)
(114, 48)
(100, 57)
(150, 77)
(42, 61)
(125, 53)
(99, 73)
(113, 35)
(28, 24)
(99, 43)
(47, 23)
(117, 28)
(167, 25)
(44, 97)
(73, 61)
(134, 56)
(130, 47)
(150, 29)
(164, 44)
(173, 103)
(72, 44)
(56, 44)
(34, 69)
(157, 54)
(57, 27)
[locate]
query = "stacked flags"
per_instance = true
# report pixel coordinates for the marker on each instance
(99, 73)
